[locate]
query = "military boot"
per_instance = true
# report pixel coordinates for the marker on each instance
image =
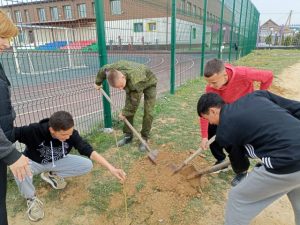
(143, 147)
(126, 140)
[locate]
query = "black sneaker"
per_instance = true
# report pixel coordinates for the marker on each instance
(221, 170)
(238, 178)
(126, 140)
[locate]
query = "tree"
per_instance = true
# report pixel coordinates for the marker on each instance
(268, 40)
(287, 41)
(296, 39)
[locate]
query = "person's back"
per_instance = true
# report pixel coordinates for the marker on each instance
(276, 143)
(138, 76)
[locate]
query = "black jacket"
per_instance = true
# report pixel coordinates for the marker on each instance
(266, 126)
(42, 148)
(8, 153)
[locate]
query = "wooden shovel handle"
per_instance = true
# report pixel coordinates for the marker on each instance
(209, 170)
(211, 140)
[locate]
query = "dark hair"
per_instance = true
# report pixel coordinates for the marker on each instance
(207, 101)
(213, 66)
(61, 120)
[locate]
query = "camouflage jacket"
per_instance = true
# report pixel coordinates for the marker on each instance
(138, 76)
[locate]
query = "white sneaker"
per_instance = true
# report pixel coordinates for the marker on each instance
(35, 211)
(56, 182)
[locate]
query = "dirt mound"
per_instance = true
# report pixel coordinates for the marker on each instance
(153, 191)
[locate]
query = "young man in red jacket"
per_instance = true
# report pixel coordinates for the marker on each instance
(231, 83)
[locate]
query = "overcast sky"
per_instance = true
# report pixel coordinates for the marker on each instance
(278, 10)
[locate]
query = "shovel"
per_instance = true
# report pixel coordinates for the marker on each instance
(185, 162)
(152, 155)
(208, 170)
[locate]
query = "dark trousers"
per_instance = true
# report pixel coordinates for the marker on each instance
(239, 161)
(3, 177)
(131, 105)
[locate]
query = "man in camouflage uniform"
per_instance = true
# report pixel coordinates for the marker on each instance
(136, 79)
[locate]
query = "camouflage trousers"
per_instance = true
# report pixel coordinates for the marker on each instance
(132, 102)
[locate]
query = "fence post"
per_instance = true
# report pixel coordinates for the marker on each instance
(100, 25)
(231, 31)
(244, 36)
(221, 31)
(239, 35)
(173, 48)
(203, 37)
(248, 48)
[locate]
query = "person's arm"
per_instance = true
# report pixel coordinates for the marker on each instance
(86, 149)
(291, 105)
(23, 134)
(101, 75)
(204, 133)
(17, 162)
(120, 174)
(265, 77)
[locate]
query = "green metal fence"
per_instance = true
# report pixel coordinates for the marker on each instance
(62, 44)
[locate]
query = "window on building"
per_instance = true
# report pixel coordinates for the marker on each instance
(138, 27)
(115, 7)
(67, 12)
(93, 7)
(200, 12)
(81, 10)
(182, 6)
(18, 16)
(194, 10)
(41, 14)
(54, 13)
(151, 26)
(189, 8)
(21, 37)
(27, 16)
(194, 33)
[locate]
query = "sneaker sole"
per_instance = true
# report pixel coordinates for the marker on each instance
(49, 181)
(35, 220)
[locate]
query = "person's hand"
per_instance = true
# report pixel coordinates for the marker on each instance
(204, 144)
(20, 168)
(120, 174)
(97, 87)
(121, 116)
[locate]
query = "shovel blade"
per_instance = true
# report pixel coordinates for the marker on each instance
(178, 168)
(153, 156)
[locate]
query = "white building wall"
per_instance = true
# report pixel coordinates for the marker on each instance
(124, 30)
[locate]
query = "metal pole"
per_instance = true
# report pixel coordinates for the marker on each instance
(221, 30)
(239, 44)
(231, 31)
(248, 47)
(100, 25)
(203, 37)
(190, 37)
(244, 36)
(173, 48)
